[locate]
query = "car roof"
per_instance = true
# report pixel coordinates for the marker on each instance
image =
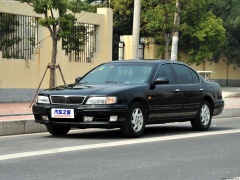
(151, 61)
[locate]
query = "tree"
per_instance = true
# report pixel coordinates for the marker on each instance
(228, 11)
(58, 21)
(159, 19)
(199, 40)
(122, 21)
(202, 34)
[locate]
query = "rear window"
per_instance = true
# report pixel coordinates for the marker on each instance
(184, 74)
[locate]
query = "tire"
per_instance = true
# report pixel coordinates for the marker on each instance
(203, 118)
(135, 121)
(57, 131)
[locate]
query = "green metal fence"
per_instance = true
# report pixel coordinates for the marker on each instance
(18, 36)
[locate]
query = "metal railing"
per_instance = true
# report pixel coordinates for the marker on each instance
(81, 43)
(18, 36)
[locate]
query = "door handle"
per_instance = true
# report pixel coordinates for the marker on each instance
(201, 90)
(177, 90)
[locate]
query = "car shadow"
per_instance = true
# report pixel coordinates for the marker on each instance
(150, 131)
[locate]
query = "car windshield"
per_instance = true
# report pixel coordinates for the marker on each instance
(119, 73)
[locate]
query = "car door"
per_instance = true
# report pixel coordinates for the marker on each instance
(192, 89)
(165, 99)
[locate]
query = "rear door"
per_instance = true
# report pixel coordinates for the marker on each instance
(165, 99)
(191, 87)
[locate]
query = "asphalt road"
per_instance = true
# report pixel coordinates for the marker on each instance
(170, 151)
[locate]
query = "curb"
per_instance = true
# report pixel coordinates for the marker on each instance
(232, 95)
(20, 114)
(16, 127)
(228, 113)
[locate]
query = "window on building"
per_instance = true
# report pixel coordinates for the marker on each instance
(18, 36)
(81, 43)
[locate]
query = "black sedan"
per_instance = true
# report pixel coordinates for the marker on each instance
(129, 95)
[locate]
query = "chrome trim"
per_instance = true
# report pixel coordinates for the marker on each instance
(66, 96)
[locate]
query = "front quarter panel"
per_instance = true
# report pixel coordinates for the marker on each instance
(128, 95)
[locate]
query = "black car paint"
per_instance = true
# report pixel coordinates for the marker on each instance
(163, 102)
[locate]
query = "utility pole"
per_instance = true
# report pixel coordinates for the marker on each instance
(174, 51)
(136, 28)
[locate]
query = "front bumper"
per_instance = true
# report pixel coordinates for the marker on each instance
(101, 115)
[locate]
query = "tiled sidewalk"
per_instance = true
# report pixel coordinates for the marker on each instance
(15, 108)
(15, 111)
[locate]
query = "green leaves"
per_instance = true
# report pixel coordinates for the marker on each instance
(57, 20)
(76, 6)
(160, 18)
(202, 34)
(67, 22)
(42, 6)
(60, 25)
(228, 11)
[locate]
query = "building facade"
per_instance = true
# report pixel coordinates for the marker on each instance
(26, 48)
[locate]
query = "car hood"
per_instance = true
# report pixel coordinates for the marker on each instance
(88, 89)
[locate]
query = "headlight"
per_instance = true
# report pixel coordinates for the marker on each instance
(102, 100)
(43, 99)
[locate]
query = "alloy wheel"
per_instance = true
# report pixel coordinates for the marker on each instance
(205, 115)
(137, 120)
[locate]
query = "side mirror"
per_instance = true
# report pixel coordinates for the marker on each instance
(160, 80)
(77, 79)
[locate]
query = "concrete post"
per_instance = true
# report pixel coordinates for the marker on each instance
(136, 28)
(174, 51)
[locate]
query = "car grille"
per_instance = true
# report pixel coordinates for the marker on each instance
(67, 99)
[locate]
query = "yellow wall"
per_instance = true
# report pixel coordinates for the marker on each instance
(14, 73)
(223, 74)
(150, 49)
(127, 47)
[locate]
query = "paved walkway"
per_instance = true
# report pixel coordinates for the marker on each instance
(14, 115)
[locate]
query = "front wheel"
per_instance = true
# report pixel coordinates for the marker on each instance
(203, 118)
(135, 121)
(58, 131)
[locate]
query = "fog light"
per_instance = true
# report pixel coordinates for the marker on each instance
(87, 118)
(113, 118)
(45, 118)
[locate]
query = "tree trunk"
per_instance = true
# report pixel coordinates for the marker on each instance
(167, 42)
(53, 63)
(167, 50)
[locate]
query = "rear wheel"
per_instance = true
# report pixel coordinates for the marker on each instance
(135, 121)
(58, 131)
(203, 118)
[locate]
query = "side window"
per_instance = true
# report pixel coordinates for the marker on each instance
(195, 76)
(183, 73)
(165, 70)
